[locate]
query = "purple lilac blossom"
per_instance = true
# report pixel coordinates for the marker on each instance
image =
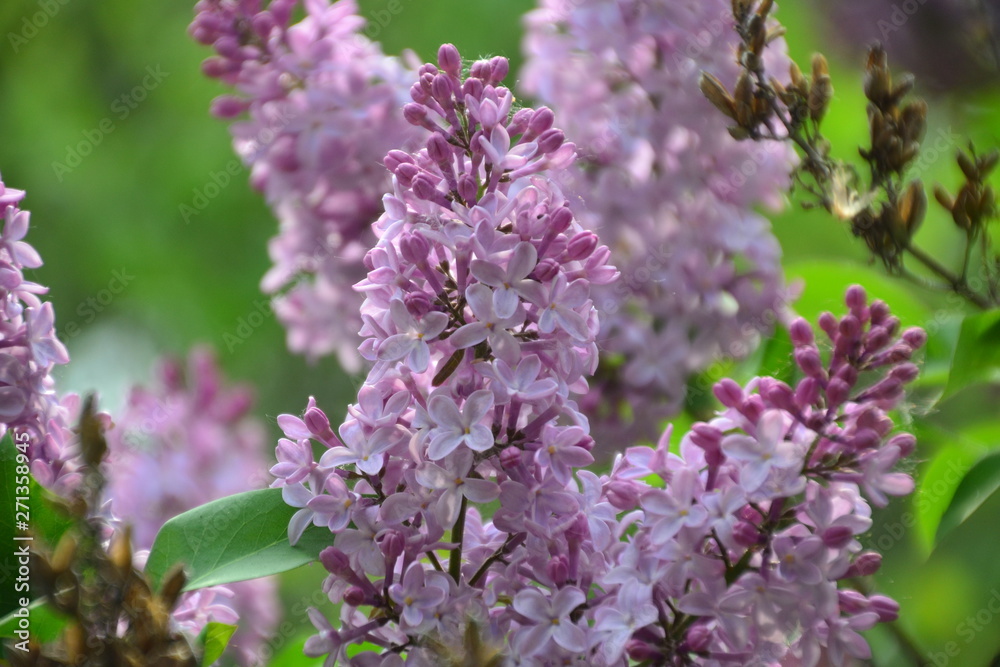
(738, 556)
(29, 350)
(187, 441)
(667, 189)
(322, 109)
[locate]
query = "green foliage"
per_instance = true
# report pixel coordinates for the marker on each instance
(977, 355)
(46, 622)
(974, 490)
(244, 536)
(213, 640)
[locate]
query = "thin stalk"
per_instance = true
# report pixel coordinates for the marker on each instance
(458, 536)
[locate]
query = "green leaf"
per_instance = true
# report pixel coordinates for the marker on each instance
(213, 639)
(8, 514)
(977, 355)
(936, 485)
(244, 536)
(975, 489)
(45, 622)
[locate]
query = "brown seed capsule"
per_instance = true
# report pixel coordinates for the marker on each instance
(740, 9)
(173, 585)
(75, 643)
(92, 443)
(62, 557)
(795, 76)
(765, 8)
(943, 197)
(717, 94)
(743, 96)
(878, 80)
(120, 552)
(903, 86)
(913, 206)
(987, 162)
(968, 166)
(738, 133)
(758, 33)
(819, 97)
(913, 120)
(775, 32)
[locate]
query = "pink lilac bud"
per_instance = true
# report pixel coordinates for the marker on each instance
(886, 608)
(801, 333)
(856, 299)
(729, 393)
(852, 602)
(546, 270)
(865, 565)
(915, 337)
(905, 442)
(746, 534)
(808, 360)
(449, 60)
(581, 246)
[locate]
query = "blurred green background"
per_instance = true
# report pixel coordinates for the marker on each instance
(64, 68)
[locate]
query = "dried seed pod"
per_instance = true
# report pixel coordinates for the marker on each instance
(902, 88)
(173, 586)
(92, 443)
(744, 100)
(757, 31)
(765, 8)
(797, 79)
(120, 551)
(878, 80)
(987, 162)
(738, 133)
(967, 165)
(62, 557)
(819, 98)
(913, 120)
(717, 94)
(943, 197)
(913, 206)
(775, 32)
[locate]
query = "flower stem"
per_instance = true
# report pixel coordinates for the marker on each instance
(458, 536)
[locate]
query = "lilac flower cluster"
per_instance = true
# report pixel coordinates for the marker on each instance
(666, 188)
(480, 325)
(323, 104)
(481, 328)
(183, 443)
(29, 350)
